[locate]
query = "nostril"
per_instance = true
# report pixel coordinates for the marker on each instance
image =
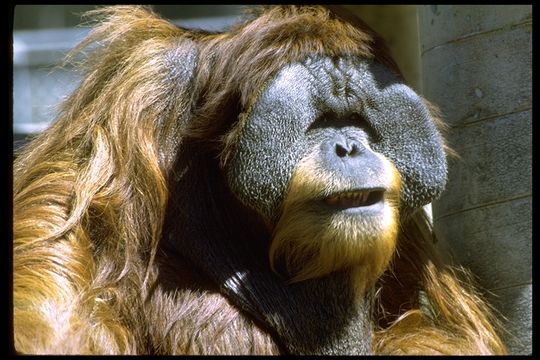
(341, 151)
(347, 148)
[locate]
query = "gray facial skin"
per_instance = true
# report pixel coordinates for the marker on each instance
(274, 138)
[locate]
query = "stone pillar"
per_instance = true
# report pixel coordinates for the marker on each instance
(476, 63)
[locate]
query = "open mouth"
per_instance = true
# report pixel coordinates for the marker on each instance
(355, 199)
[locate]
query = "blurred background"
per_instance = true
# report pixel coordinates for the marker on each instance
(44, 33)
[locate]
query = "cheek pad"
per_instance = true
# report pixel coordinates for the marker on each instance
(273, 138)
(407, 136)
(272, 141)
(412, 142)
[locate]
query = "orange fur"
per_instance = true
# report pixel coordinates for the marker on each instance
(428, 307)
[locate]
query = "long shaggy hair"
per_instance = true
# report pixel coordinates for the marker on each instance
(91, 193)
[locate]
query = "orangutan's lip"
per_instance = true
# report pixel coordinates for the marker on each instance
(355, 198)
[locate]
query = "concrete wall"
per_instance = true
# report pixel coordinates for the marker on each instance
(476, 65)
